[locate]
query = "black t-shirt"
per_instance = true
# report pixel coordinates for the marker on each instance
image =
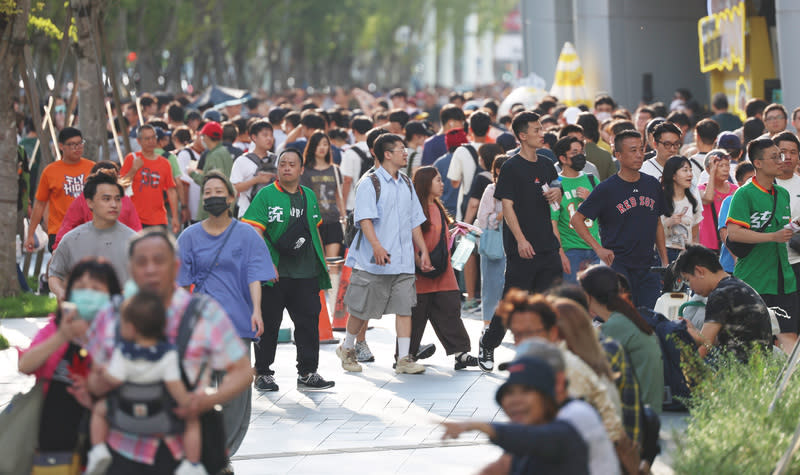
(479, 184)
(62, 416)
(743, 315)
(628, 214)
(521, 181)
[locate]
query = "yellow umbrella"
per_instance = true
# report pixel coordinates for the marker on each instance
(569, 84)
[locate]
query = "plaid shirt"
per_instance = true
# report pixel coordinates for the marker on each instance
(214, 339)
(627, 385)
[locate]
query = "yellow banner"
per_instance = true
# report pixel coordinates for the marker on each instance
(721, 37)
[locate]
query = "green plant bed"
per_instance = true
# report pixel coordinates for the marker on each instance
(27, 305)
(729, 429)
(3, 343)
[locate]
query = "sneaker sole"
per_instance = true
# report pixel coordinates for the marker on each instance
(302, 387)
(341, 358)
(270, 390)
(408, 372)
(427, 352)
(368, 360)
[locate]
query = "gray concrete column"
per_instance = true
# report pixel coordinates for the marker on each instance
(787, 15)
(592, 26)
(546, 25)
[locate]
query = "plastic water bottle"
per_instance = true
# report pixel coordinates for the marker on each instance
(553, 206)
(465, 247)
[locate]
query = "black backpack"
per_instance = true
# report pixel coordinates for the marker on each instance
(675, 385)
(366, 160)
(350, 229)
(263, 165)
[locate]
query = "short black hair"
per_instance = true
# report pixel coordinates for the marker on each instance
(147, 100)
(743, 169)
(621, 125)
(679, 118)
(665, 128)
(488, 152)
(550, 138)
(604, 99)
(492, 105)
(754, 106)
(755, 149)
(707, 131)
(145, 311)
(67, 133)
(696, 255)
(591, 129)
(479, 123)
(103, 176)
(183, 134)
(292, 118)
(260, 125)
(720, 101)
(175, 112)
(786, 136)
(361, 124)
(400, 116)
(451, 112)
(339, 134)
(276, 115)
(569, 129)
(229, 132)
(752, 128)
(313, 121)
(383, 143)
(626, 134)
(563, 145)
(520, 123)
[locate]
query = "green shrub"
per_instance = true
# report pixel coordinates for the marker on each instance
(27, 305)
(3, 342)
(729, 430)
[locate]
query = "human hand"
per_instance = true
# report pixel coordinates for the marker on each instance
(72, 326)
(276, 274)
(425, 262)
(782, 235)
(79, 390)
(453, 429)
(193, 408)
(582, 192)
(525, 249)
(138, 161)
(186, 215)
(605, 255)
(565, 262)
(380, 256)
(499, 217)
(265, 178)
(29, 243)
(191, 167)
(553, 195)
(176, 224)
(256, 322)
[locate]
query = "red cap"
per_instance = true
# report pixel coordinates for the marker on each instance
(212, 130)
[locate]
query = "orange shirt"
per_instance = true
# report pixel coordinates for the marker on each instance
(59, 185)
(446, 280)
(149, 184)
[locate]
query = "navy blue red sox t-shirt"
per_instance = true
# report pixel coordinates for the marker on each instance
(628, 214)
(521, 181)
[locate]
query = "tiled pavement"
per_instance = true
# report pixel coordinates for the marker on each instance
(372, 422)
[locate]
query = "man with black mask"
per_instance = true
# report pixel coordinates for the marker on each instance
(576, 255)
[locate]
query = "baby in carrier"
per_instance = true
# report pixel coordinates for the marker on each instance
(143, 356)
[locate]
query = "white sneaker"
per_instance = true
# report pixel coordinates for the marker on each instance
(407, 366)
(98, 460)
(188, 468)
(348, 357)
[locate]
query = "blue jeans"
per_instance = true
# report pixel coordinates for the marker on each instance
(492, 280)
(579, 259)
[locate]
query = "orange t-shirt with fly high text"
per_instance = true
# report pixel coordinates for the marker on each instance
(59, 185)
(148, 185)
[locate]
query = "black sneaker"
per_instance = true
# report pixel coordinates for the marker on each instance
(465, 361)
(265, 382)
(425, 351)
(485, 357)
(313, 382)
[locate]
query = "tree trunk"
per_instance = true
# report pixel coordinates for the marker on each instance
(13, 31)
(92, 114)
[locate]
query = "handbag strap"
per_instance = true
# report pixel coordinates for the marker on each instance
(191, 315)
(199, 285)
(774, 207)
(716, 223)
(304, 221)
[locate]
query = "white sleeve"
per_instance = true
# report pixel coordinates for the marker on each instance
(240, 171)
(350, 164)
(455, 172)
(184, 158)
(116, 366)
(169, 366)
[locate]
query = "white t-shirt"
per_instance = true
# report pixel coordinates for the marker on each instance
(351, 167)
(144, 371)
(792, 185)
(462, 169)
(243, 170)
(184, 157)
(679, 235)
(586, 421)
(280, 136)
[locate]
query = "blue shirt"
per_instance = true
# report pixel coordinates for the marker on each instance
(434, 148)
(725, 257)
(243, 260)
(450, 196)
(629, 214)
(394, 216)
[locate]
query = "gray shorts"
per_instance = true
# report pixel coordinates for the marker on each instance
(373, 295)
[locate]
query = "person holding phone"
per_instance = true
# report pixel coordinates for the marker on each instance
(55, 355)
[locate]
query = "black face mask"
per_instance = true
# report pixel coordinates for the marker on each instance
(578, 162)
(215, 205)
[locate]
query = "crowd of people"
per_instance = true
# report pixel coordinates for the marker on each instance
(169, 262)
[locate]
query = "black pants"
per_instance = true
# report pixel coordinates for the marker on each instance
(301, 298)
(443, 309)
(163, 464)
(534, 275)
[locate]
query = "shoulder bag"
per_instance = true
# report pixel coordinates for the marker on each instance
(439, 255)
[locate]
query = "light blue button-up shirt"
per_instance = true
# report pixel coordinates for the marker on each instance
(394, 216)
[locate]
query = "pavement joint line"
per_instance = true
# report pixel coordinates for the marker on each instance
(356, 450)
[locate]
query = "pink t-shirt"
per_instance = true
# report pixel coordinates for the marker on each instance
(707, 230)
(46, 370)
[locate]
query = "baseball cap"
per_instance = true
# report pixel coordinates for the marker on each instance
(212, 130)
(212, 115)
(532, 372)
(161, 133)
(729, 141)
(507, 141)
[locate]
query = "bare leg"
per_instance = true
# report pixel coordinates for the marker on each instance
(471, 275)
(98, 427)
(362, 334)
(333, 250)
(402, 325)
(786, 341)
(192, 440)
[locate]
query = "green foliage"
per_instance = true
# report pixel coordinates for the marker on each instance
(8, 7)
(44, 26)
(27, 305)
(3, 343)
(729, 429)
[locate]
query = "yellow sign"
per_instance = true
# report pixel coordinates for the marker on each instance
(721, 38)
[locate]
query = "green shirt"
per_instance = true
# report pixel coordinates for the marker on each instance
(304, 265)
(173, 163)
(751, 206)
(217, 158)
(569, 205)
(645, 355)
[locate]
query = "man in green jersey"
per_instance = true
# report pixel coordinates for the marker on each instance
(758, 213)
(576, 255)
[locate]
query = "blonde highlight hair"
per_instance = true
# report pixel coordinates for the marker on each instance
(575, 327)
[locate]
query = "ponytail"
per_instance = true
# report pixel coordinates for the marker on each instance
(618, 304)
(603, 284)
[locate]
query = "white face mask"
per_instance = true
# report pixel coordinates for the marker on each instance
(601, 116)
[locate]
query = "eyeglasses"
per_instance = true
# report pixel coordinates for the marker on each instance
(777, 158)
(401, 150)
(671, 144)
(773, 118)
(75, 144)
(147, 138)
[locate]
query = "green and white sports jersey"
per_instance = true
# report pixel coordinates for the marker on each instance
(751, 207)
(569, 205)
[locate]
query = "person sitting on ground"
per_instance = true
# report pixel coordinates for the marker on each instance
(143, 356)
(736, 316)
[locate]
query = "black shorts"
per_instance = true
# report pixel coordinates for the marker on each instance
(51, 241)
(788, 302)
(331, 233)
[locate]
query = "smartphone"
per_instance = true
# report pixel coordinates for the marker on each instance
(68, 307)
(372, 259)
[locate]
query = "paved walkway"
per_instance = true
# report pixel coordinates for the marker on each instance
(372, 422)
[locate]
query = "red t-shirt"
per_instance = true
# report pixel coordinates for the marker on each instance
(447, 280)
(148, 185)
(59, 185)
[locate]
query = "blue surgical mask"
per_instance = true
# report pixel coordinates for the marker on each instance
(130, 289)
(88, 301)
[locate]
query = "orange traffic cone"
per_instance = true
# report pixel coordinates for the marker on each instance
(340, 313)
(325, 332)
